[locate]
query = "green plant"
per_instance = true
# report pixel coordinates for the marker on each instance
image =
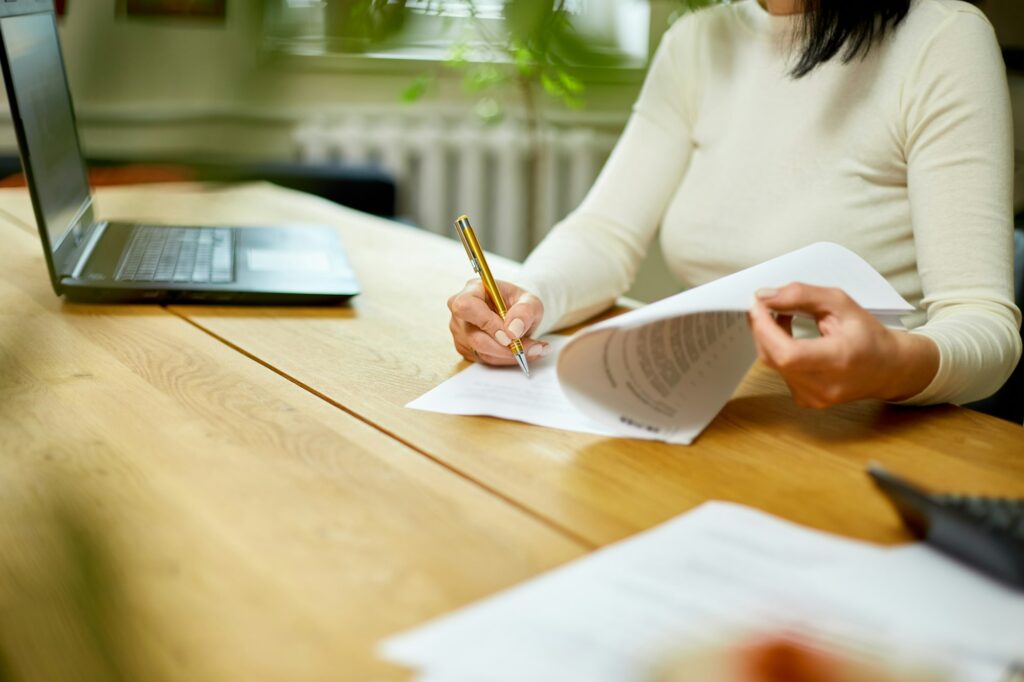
(534, 49)
(353, 25)
(535, 46)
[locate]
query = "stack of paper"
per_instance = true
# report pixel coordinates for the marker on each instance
(710, 575)
(665, 370)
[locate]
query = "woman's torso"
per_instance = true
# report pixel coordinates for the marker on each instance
(779, 163)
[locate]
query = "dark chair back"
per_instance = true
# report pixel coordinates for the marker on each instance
(1008, 402)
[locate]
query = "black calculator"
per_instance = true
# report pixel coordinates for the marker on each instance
(986, 532)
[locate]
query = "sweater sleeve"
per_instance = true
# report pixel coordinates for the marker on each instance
(959, 154)
(591, 257)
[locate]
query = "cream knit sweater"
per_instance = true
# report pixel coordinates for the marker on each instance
(904, 156)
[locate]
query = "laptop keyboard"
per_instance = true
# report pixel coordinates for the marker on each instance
(178, 254)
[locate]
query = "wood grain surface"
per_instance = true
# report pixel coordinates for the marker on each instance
(257, 531)
(392, 344)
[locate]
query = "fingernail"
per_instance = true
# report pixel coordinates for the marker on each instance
(516, 327)
(766, 293)
(535, 351)
(502, 338)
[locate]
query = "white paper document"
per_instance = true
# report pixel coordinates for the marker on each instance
(719, 572)
(661, 372)
(504, 392)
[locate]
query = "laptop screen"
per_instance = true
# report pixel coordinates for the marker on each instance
(52, 153)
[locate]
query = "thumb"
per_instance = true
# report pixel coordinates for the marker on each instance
(803, 298)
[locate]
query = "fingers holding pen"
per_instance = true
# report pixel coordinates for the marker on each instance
(524, 315)
(470, 306)
(476, 345)
(491, 352)
(479, 332)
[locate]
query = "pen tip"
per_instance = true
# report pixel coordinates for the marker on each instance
(521, 359)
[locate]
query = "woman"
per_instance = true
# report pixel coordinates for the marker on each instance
(766, 125)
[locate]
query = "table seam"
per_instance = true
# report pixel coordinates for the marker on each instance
(534, 514)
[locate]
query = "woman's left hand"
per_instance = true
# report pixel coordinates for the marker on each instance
(856, 356)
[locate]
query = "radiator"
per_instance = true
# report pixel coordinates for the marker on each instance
(447, 165)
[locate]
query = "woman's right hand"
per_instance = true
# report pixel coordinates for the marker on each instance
(479, 333)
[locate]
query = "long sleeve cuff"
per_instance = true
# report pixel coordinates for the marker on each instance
(976, 356)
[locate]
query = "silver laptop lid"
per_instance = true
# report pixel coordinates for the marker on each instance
(44, 118)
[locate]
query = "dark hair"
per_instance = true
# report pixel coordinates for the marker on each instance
(848, 28)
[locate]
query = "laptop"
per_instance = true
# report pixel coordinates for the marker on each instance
(97, 261)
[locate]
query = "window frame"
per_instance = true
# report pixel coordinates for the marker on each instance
(399, 55)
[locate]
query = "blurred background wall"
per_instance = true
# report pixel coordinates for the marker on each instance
(182, 87)
(220, 89)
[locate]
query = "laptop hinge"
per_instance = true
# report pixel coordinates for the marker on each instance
(91, 241)
(75, 226)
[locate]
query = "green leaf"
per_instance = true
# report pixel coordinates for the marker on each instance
(521, 54)
(573, 102)
(459, 54)
(418, 88)
(551, 85)
(483, 77)
(570, 82)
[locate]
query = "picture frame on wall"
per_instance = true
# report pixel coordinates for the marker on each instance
(193, 9)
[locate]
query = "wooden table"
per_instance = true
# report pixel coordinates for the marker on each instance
(274, 508)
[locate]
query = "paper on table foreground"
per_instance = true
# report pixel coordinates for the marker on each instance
(720, 572)
(661, 372)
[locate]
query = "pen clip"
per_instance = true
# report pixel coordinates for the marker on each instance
(461, 225)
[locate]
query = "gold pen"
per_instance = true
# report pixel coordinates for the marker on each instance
(479, 263)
